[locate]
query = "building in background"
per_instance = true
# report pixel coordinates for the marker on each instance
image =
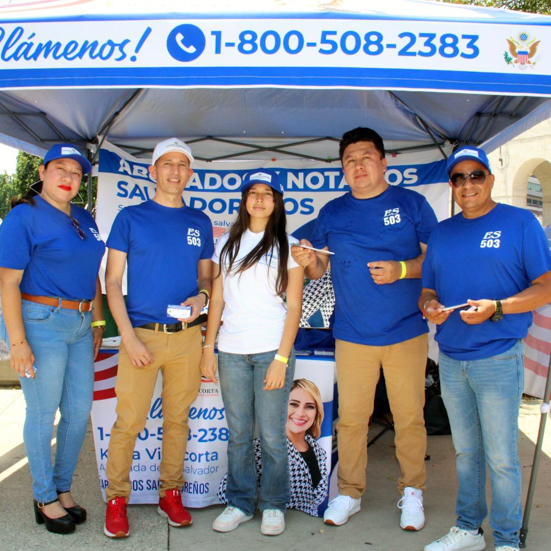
(522, 169)
(534, 197)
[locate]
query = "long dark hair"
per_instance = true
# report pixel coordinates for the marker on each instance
(28, 198)
(275, 238)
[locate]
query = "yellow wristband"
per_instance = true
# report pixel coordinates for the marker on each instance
(98, 323)
(204, 291)
(281, 359)
(404, 269)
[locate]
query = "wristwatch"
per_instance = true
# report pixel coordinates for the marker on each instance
(204, 292)
(499, 311)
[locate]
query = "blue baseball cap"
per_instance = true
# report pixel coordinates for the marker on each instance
(262, 176)
(468, 153)
(68, 151)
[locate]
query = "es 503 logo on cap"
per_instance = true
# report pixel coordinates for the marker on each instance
(469, 152)
(261, 176)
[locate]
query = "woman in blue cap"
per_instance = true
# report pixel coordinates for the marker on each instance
(254, 269)
(50, 253)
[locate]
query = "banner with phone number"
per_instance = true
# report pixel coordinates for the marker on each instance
(206, 458)
(214, 187)
(353, 51)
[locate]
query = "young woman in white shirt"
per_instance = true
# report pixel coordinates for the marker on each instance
(253, 270)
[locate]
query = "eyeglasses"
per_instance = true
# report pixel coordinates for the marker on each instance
(476, 177)
(76, 225)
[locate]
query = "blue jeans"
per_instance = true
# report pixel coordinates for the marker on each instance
(61, 341)
(242, 383)
(482, 398)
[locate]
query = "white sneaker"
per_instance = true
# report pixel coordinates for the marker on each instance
(273, 522)
(457, 539)
(413, 517)
(230, 519)
(341, 509)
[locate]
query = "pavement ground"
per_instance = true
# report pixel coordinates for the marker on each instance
(374, 528)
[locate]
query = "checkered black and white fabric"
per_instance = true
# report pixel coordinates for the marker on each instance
(303, 496)
(318, 295)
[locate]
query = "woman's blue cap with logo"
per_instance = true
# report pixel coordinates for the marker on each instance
(468, 153)
(262, 176)
(68, 151)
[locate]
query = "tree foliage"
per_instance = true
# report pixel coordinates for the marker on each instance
(530, 6)
(26, 174)
(6, 193)
(26, 171)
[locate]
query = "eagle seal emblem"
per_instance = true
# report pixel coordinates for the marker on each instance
(522, 50)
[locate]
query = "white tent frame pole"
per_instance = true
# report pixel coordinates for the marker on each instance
(536, 461)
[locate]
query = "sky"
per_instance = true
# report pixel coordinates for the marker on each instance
(8, 157)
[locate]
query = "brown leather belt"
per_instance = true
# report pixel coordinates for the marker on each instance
(80, 305)
(174, 327)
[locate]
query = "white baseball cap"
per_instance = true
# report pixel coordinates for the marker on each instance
(170, 145)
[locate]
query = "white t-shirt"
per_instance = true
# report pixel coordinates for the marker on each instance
(254, 315)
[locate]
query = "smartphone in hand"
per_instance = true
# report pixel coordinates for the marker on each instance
(456, 307)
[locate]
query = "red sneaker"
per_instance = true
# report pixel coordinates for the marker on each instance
(171, 507)
(116, 521)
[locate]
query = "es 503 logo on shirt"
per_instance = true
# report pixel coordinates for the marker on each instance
(95, 233)
(491, 240)
(193, 237)
(392, 216)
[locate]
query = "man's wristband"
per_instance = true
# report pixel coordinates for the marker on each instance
(281, 359)
(404, 269)
(99, 323)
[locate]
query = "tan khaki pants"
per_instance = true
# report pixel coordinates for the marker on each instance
(358, 371)
(178, 356)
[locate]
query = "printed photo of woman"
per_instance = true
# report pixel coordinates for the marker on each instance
(308, 471)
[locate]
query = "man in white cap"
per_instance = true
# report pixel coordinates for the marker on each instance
(166, 248)
(498, 255)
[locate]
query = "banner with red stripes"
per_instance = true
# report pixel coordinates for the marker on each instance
(537, 349)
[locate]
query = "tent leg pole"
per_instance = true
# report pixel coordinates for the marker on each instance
(89, 188)
(536, 461)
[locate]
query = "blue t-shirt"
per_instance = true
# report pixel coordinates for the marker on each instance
(164, 246)
(42, 241)
(387, 227)
(491, 257)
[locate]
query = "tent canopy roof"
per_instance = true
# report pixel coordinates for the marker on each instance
(22, 10)
(422, 74)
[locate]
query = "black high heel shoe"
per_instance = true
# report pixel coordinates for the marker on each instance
(77, 512)
(62, 525)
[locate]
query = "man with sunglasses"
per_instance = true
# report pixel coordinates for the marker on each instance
(495, 258)
(166, 248)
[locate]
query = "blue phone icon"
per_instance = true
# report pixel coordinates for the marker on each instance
(186, 42)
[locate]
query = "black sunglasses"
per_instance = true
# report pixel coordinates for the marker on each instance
(476, 177)
(76, 225)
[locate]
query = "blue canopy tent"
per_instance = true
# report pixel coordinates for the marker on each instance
(269, 77)
(292, 79)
